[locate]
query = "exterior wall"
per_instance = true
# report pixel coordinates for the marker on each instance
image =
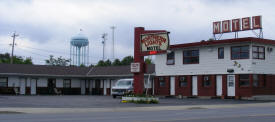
(165, 91)
(184, 91)
(209, 90)
(208, 62)
(13, 82)
(266, 66)
(75, 83)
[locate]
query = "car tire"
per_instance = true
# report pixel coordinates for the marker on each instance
(114, 96)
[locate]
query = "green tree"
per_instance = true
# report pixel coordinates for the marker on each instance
(108, 63)
(148, 61)
(100, 63)
(57, 62)
(116, 62)
(5, 58)
(127, 60)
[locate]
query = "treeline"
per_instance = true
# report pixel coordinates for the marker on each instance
(6, 58)
(125, 61)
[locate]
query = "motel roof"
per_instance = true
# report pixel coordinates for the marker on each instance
(67, 71)
(225, 41)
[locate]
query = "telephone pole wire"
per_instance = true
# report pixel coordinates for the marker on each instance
(13, 43)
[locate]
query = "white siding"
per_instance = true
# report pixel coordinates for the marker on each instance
(75, 83)
(59, 83)
(42, 82)
(266, 66)
(208, 62)
(13, 82)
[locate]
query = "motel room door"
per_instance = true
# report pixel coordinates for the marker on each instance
(172, 85)
(219, 85)
(23, 86)
(231, 85)
(33, 86)
(194, 85)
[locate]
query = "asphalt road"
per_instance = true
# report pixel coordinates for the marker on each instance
(106, 109)
(246, 114)
(78, 101)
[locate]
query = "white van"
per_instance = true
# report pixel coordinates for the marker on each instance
(122, 87)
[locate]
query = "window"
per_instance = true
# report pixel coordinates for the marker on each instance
(244, 80)
(191, 57)
(170, 58)
(258, 52)
(221, 53)
(67, 83)
(3, 82)
(255, 80)
(183, 81)
(240, 52)
(161, 82)
(206, 81)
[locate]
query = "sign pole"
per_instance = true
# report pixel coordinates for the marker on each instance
(138, 76)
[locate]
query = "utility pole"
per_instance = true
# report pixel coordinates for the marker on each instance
(113, 42)
(13, 42)
(103, 42)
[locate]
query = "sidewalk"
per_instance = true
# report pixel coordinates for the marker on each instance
(130, 109)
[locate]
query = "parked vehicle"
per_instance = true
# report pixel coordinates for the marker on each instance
(122, 87)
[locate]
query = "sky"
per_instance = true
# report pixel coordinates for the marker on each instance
(45, 27)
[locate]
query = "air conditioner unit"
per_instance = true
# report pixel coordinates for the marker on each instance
(269, 49)
(206, 78)
(182, 78)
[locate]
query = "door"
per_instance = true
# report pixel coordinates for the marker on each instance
(219, 85)
(172, 85)
(231, 85)
(194, 85)
(33, 86)
(22, 85)
(97, 90)
(83, 87)
(51, 86)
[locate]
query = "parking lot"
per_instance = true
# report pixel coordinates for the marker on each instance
(102, 102)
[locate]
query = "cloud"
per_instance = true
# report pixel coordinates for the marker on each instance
(49, 24)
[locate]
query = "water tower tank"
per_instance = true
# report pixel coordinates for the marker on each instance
(79, 50)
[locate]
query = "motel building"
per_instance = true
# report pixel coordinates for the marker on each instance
(239, 67)
(23, 79)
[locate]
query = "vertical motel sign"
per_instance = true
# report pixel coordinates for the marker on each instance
(147, 42)
(235, 25)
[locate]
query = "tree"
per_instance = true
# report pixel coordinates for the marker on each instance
(127, 60)
(116, 62)
(5, 58)
(57, 62)
(148, 61)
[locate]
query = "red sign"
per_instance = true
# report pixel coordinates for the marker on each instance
(237, 25)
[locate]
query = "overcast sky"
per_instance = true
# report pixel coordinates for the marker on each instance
(46, 26)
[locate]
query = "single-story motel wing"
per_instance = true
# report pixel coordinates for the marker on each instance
(239, 67)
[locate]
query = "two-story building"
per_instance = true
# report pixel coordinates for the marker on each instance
(241, 67)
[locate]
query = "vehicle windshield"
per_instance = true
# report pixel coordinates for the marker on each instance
(124, 83)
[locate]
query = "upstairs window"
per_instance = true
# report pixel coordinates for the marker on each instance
(258, 52)
(191, 57)
(3, 82)
(206, 81)
(244, 80)
(67, 83)
(161, 82)
(221, 53)
(183, 81)
(240, 52)
(170, 58)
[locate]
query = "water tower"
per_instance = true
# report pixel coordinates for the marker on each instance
(79, 49)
